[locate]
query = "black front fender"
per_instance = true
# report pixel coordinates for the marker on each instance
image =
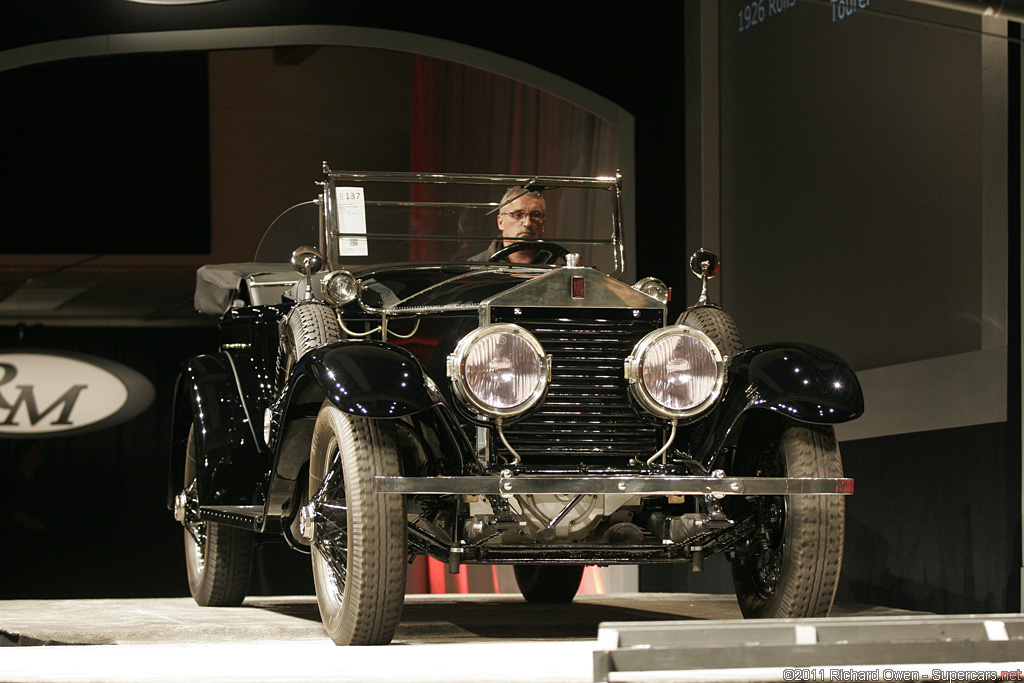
(229, 458)
(368, 378)
(804, 383)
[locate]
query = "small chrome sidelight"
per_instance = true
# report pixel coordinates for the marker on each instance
(655, 288)
(341, 287)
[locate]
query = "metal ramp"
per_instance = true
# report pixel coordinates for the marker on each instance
(819, 648)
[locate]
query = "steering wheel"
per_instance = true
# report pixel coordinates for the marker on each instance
(547, 252)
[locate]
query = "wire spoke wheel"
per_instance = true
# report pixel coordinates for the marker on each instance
(330, 519)
(789, 567)
(767, 566)
(218, 558)
(195, 531)
(771, 516)
(359, 545)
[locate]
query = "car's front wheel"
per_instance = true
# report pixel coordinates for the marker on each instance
(359, 539)
(218, 558)
(790, 566)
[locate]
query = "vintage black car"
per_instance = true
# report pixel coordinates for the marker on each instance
(394, 380)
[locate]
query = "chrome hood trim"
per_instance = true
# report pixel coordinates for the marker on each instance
(556, 288)
(538, 288)
(414, 303)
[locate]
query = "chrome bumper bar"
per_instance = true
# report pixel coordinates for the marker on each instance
(507, 486)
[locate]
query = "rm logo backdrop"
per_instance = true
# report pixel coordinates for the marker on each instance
(56, 393)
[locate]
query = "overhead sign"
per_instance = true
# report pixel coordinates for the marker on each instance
(56, 393)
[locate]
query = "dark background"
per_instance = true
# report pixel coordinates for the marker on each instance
(152, 148)
(623, 56)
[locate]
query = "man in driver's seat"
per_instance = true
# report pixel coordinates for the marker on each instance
(524, 216)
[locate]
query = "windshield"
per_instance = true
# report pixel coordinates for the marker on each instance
(396, 218)
(299, 226)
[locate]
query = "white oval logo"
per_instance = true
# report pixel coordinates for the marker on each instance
(59, 393)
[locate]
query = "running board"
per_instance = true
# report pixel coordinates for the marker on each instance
(244, 516)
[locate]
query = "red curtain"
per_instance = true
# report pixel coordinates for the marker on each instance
(466, 120)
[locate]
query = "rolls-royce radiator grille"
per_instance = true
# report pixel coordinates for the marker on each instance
(586, 416)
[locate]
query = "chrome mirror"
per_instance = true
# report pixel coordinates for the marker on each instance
(307, 261)
(705, 265)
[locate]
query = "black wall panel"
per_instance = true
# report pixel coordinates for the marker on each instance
(934, 525)
(107, 155)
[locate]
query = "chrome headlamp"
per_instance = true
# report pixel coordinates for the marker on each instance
(499, 370)
(340, 287)
(675, 372)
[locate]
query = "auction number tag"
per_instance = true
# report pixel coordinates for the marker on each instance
(351, 221)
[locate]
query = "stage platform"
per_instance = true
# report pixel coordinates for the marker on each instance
(446, 638)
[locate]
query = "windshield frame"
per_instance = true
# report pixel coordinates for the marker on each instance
(330, 230)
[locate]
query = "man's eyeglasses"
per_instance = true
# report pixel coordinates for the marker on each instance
(519, 215)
